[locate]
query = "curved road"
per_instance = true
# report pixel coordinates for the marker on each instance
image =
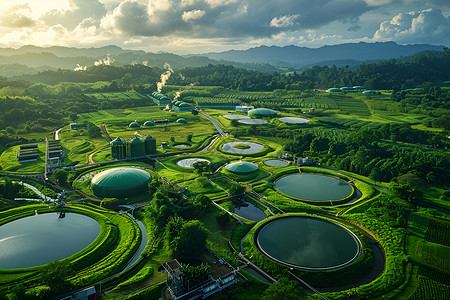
(221, 132)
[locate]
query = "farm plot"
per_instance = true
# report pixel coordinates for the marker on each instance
(216, 101)
(351, 105)
(430, 289)
(434, 254)
(438, 232)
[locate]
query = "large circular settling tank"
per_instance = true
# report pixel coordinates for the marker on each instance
(313, 187)
(308, 243)
(253, 121)
(189, 162)
(246, 148)
(40, 239)
(120, 182)
(293, 120)
(236, 117)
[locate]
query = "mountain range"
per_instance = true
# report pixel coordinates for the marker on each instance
(31, 59)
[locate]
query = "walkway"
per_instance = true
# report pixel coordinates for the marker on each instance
(58, 134)
(105, 132)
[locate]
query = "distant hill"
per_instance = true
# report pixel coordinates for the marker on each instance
(36, 58)
(293, 56)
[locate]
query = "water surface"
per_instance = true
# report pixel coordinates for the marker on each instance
(308, 242)
(313, 187)
(40, 239)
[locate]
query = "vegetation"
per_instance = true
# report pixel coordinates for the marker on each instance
(391, 144)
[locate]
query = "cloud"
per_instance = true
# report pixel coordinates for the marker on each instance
(79, 10)
(193, 15)
(230, 18)
(426, 26)
(284, 21)
(17, 16)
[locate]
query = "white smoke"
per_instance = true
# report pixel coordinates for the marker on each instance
(164, 77)
(177, 95)
(105, 61)
(181, 76)
(80, 68)
(145, 63)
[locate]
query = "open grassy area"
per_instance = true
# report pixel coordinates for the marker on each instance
(10, 163)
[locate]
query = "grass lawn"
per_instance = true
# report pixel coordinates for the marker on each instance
(10, 163)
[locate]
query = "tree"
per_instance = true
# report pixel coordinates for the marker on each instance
(61, 176)
(55, 275)
(194, 112)
(190, 241)
(110, 203)
(222, 219)
(201, 166)
(236, 189)
(234, 123)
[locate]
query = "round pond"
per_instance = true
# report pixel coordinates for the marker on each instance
(40, 239)
(276, 162)
(308, 243)
(293, 120)
(313, 187)
(253, 121)
(250, 147)
(236, 117)
(189, 162)
(180, 146)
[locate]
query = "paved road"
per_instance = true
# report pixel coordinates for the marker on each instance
(221, 132)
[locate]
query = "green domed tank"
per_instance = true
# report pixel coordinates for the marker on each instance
(120, 182)
(149, 123)
(136, 147)
(150, 145)
(241, 167)
(134, 125)
(262, 112)
(181, 120)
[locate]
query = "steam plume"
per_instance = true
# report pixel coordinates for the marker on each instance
(105, 61)
(80, 68)
(164, 77)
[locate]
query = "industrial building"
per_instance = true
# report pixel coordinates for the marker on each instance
(120, 182)
(262, 112)
(159, 98)
(180, 106)
(27, 153)
(134, 147)
(244, 108)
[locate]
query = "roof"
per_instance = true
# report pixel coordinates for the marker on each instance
(136, 140)
(334, 90)
(118, 141)
(181, 120)
(134, 124)
(241, 167)
(184, 104)
(262, 111)
(120, 177)
(149, 123)
(149, 137)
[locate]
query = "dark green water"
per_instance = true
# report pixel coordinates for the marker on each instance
(40, 239)
(276, 163)
(313, 187)
(307, 242)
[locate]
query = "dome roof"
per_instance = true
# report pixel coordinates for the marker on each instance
(262, 112)
(120, 182)
(241, 167)
(134, 125)
(334, 90)
(181, 120)
(178, 102)
(136, 140)
(118, 141)
(149, 123)
(184, 104)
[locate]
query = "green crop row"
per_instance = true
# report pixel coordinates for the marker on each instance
(430, 289)
(438, 232)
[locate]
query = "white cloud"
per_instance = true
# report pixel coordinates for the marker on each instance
(284, 21)
(17, 16)
(193, 15)
(426, 26)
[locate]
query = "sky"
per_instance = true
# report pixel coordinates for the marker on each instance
(200, 26)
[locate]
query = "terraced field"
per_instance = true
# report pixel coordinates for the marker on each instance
(351, 105)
